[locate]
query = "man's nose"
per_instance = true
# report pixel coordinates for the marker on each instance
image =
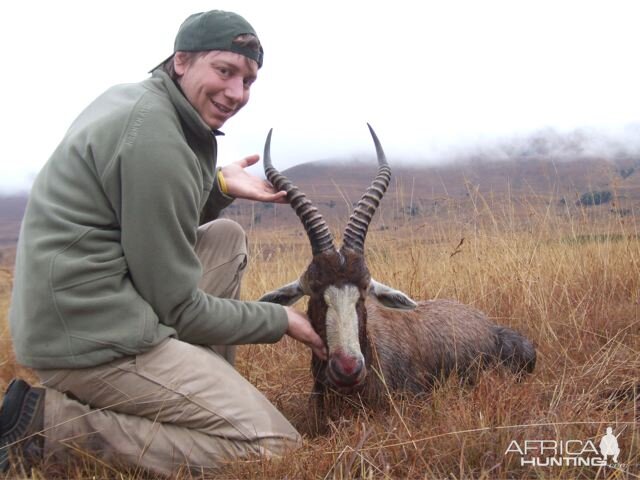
(235, 90)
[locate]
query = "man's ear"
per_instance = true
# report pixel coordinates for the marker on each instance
(180, 62)
(285, 295)
(389, 297)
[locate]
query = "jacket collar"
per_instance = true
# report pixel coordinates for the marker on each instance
(186, 111)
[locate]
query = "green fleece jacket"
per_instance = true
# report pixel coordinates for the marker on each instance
(106, 264)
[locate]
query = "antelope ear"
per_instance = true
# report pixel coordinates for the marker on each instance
(285, 295)
(389, 297)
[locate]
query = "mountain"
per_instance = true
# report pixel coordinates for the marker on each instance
(432, 192)
(544, 170)
(11, 211)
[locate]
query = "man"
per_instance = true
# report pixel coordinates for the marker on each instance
(125, 292)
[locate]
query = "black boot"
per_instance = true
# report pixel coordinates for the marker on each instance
(21, 421)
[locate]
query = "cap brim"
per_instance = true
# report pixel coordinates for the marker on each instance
(161, 63)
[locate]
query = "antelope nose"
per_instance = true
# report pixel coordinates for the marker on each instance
(346, 368)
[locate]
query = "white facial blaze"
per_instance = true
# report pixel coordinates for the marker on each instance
(342, 320)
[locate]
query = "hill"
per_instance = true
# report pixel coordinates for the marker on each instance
(426, 193)
(11, 211)
(432, 192)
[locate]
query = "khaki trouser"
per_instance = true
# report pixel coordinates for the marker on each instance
(178, 404)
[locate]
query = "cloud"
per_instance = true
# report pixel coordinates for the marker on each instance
(428, 75)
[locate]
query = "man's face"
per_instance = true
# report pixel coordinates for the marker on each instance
(217, 84)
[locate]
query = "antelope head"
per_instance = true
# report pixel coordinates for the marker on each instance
(338, 281)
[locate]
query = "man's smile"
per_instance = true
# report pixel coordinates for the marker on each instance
(224, 109)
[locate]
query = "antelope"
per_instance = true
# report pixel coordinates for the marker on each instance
(409, 345)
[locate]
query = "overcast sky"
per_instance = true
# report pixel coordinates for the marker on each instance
(427, 75)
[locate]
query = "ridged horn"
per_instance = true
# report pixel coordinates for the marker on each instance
(317, 230)
(356, 230)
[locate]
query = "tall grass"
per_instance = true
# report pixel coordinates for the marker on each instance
(567, 277)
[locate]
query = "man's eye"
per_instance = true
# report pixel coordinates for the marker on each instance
(223, 71)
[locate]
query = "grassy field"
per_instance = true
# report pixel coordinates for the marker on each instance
(568, 279)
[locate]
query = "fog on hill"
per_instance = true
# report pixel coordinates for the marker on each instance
(546, 162)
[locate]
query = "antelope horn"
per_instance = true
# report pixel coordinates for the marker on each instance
(317, 230)
(356, 230)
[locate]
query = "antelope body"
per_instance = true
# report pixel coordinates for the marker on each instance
(408, 345)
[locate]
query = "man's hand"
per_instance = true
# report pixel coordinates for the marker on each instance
(301, 330)
(241, 184)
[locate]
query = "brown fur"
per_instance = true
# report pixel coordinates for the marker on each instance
(401, 350)
(415, 349)
(410, 350)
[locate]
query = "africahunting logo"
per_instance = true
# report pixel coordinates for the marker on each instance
(570, 453)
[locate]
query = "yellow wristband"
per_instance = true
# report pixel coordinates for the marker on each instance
(223, 184)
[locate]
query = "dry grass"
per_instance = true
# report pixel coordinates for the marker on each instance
(567, 279)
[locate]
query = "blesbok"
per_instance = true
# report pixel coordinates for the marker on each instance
(408, 345)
